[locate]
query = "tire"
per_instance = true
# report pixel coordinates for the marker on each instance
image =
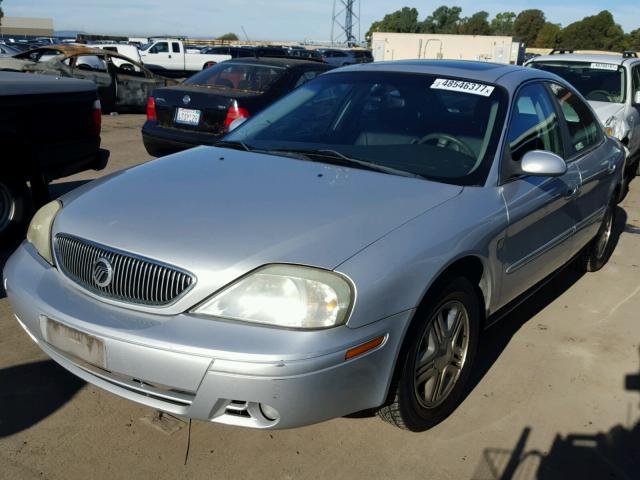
(413, 402)
(15, 210)
(597, 253)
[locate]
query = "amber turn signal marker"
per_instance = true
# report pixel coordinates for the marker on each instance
(365, 347)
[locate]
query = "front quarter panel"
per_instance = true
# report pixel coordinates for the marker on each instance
(393, 274)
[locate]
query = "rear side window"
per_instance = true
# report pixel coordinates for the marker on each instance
(534, 123)
(91, 62)
(175, 47)
(306, 76)
(635, 82)
(583, 127)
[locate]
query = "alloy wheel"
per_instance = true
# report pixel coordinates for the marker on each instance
(441, 354)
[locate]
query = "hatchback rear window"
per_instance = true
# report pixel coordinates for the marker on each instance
(238, 76)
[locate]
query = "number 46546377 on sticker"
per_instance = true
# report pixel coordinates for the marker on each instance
(462, 86)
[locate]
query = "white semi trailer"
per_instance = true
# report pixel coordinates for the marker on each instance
(404, 46)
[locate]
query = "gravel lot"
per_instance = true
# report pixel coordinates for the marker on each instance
(550, 398)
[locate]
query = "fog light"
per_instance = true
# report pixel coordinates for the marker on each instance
(270, 413)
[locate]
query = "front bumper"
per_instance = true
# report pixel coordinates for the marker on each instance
(211, 370)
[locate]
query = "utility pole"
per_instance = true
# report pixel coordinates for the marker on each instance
(343, 31)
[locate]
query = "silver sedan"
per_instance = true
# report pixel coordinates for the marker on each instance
(339, 251)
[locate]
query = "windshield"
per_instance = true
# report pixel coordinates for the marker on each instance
(441, 129)
(599, 82)
(238, 76)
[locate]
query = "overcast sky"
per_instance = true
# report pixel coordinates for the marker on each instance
(274, 19)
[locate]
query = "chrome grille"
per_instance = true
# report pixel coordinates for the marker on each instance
(133, 279)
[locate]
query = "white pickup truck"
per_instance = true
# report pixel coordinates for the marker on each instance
(169, 54)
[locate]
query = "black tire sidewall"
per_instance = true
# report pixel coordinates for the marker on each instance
(594, 263)
(22, 204)
(416, 417)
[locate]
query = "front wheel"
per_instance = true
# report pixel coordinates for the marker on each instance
(437, 358)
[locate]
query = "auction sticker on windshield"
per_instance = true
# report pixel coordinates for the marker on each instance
(462, 86)
(604, 66)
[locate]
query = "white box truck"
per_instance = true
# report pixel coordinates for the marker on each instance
(405, 46)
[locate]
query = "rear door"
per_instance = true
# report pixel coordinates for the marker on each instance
(177, 57)
(134, 85)
(597, 165)
(542, 210)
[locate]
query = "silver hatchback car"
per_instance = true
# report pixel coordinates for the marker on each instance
(340, 251)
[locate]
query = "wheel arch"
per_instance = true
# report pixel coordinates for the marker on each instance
(471, 266)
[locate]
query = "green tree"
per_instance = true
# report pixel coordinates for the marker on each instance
(401, 21)
(598, 32)
(502, 24)
(549, 36)
(228, 36)
(633, 40)
(476, 24)
(443, 20)
(527, 26)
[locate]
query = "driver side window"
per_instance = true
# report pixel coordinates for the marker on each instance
(534, 123)
(162, 47)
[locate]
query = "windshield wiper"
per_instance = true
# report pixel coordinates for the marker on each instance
(339, 158)
(232, 144)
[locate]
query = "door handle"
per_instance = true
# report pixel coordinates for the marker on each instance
(572, 192)
(611, 167)
(169, 56)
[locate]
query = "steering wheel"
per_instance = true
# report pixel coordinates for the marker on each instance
(444, 140)
(599, 93)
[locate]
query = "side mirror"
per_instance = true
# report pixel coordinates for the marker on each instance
(636, 98)
(541, 163)
(236, 123)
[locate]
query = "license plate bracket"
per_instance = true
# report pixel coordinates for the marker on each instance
(73, 342)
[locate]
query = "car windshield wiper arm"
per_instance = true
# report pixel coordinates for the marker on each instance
(232, 144)
(346, 160)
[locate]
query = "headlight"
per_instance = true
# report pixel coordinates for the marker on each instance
(285, 296)
(614, 127)
(39, 233)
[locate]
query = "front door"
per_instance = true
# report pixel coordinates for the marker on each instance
(542, 211)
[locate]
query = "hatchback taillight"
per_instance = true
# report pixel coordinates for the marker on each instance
(234, 113)
(151, 110)
(96, 118)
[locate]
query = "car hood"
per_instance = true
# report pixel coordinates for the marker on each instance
(220, 213)
(606, 110)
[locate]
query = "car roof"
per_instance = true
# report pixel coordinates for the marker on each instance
(287, 62)
(468, 69)
(586, 57)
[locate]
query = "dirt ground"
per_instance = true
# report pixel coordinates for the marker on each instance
(556, 395)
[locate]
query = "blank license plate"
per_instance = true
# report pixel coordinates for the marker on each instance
(78, 344)
(187, 116)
